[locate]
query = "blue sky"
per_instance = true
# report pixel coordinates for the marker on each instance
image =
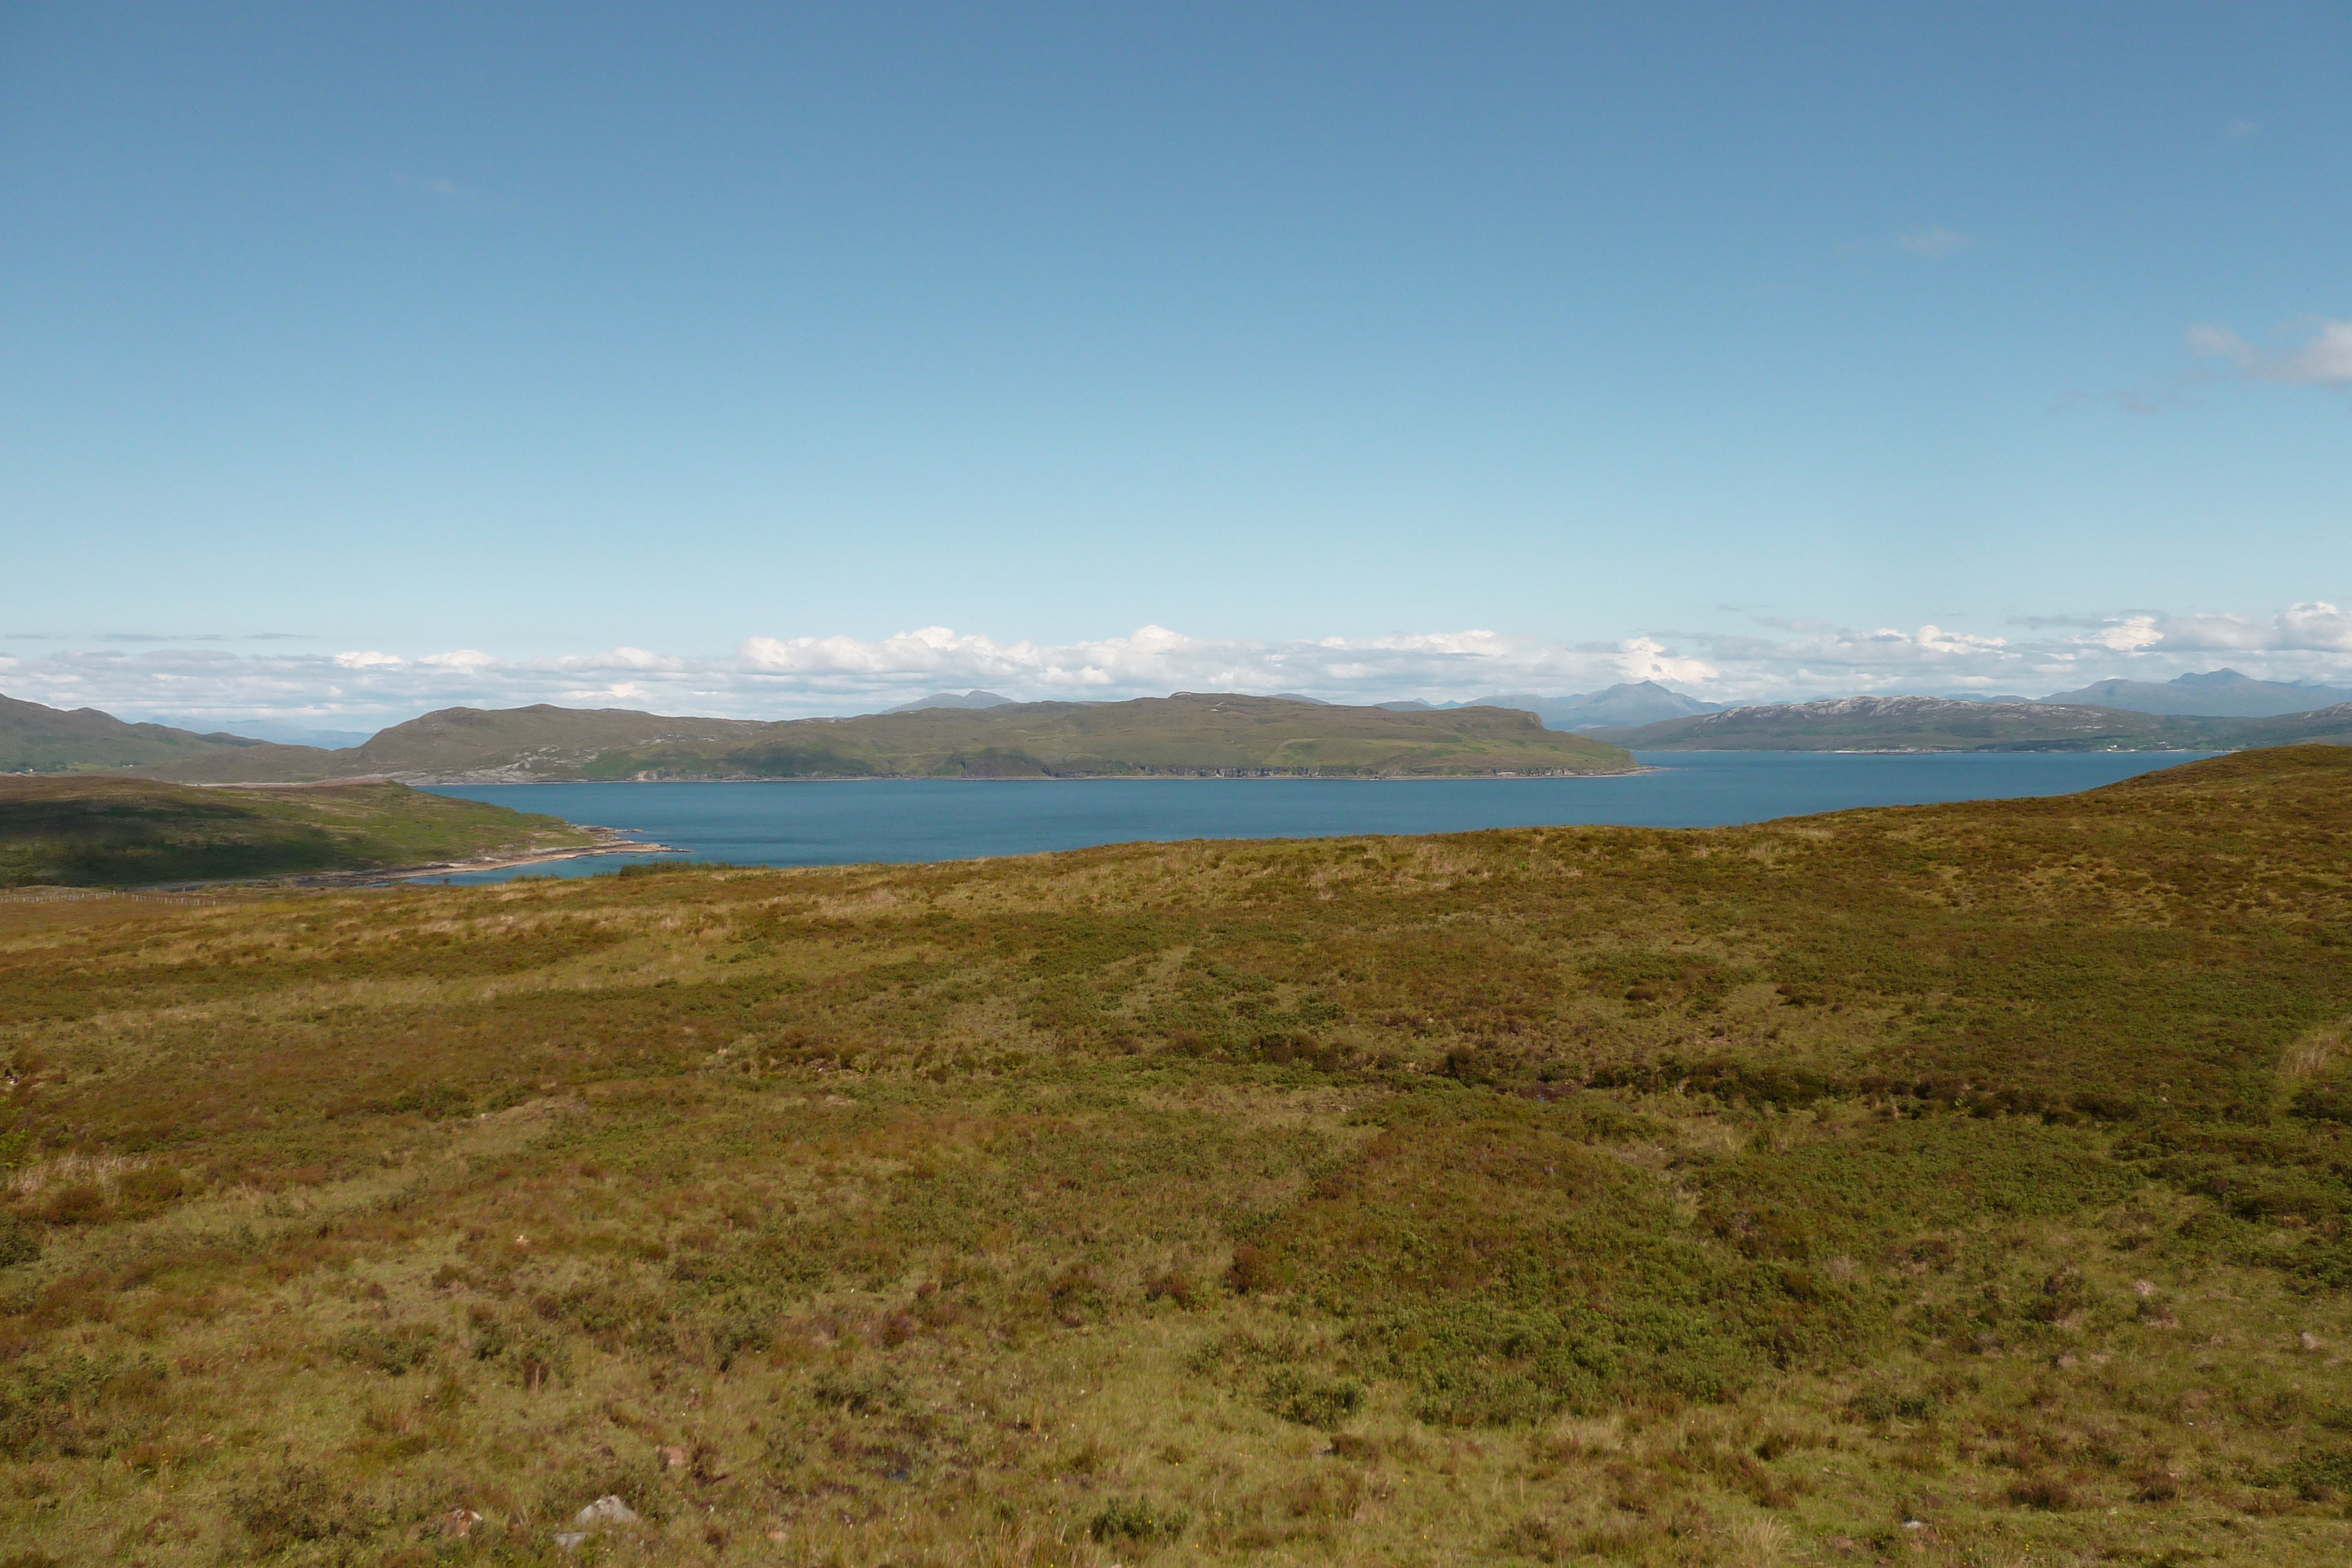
(360, 358)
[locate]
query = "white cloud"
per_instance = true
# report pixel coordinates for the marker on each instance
(2239, 129)
(1935, 639)
(2127, 635)
(1646, 659)
(605, 696)
(1934, 242)
(2315, 627)
(789, 676)
(2325, 361)
(1154, 660)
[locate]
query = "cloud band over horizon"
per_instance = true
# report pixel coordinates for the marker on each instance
(786, 677)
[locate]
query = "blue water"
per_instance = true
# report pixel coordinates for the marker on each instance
(908, 819)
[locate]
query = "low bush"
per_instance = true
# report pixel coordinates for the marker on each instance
(1310, 1399)
(296, 1504)
(1140, 1521)
(389, 1350)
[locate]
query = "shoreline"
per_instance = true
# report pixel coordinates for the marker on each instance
(610, 843)
(607, 840)
(614, 845)
(1235, 776)
(475, 781)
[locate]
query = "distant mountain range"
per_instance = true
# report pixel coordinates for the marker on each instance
(1941, 723)
(2216, 694)
(37, 740)
(1190, 734)
(950, 699)
(278, 733)
(1626, 702)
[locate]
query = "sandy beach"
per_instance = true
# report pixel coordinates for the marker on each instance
(610, 841)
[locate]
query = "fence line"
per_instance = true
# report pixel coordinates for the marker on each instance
(76, 895)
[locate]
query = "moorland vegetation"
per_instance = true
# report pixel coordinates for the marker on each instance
(1948, 1184)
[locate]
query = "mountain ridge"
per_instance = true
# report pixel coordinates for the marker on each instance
(1913, 724)
(971, 699)
(36, 738)
(2213, 694)
(1946, 724)
(1188, 734)
(1626, 702)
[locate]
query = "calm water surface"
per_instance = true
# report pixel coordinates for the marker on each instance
(908, 819)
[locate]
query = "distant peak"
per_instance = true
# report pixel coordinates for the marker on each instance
(971, 699)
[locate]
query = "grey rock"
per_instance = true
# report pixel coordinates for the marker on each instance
(606, 1510)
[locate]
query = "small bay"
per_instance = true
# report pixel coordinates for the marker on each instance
(916, 819)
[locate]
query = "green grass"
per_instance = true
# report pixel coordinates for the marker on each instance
(83, 833)
(1950, 1184)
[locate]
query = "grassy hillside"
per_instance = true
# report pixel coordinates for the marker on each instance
(1185, 733)
(2328, 727)
(1949, 1185)
(541, 741)
(1180, 735)
(80, 832)
(1926, 724)
(38, 739)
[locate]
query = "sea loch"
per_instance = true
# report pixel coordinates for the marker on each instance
(913, 820)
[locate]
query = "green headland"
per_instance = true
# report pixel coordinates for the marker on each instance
(81, 832)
